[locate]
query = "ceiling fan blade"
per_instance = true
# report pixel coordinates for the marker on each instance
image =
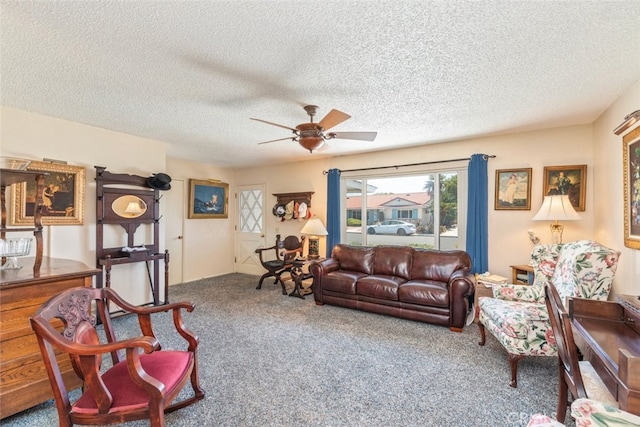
(362, 136)
(274, 124)
(274, 140)
(333, 118)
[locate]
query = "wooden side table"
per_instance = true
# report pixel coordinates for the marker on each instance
(482, 290)
(522, 274)
(299, 273)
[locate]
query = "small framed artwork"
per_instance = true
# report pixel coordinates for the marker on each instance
(63, 196)
(631, 168)
(208, 199)
(569, 180)
(513, 189)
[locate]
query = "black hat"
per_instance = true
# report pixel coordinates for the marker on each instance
(278, 210)
(159, 181)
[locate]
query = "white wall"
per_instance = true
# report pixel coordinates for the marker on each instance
(508, 239)
(208, 243)
(609, 189)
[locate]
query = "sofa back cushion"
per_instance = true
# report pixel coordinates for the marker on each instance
(438, 265)
(393, 261)
(354, 258)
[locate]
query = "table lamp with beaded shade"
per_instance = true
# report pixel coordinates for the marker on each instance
(314, 228)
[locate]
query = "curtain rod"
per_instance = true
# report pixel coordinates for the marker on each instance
(486, 156)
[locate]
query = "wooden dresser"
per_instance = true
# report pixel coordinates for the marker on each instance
(23, 378)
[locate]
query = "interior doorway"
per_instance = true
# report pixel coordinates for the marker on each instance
(174, 212)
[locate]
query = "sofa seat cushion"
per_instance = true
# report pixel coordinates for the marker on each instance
(343, 281)
(424, 292)
(380, 286)
(516, 319)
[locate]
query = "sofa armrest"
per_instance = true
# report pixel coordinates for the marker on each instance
(523, 293)
(325, 266)
(319, 269)
(462, 283)
(461, 287)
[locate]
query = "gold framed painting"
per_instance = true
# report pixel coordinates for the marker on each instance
(513, 189)
(63, 196)
(569, 180)
(208, 199)
(631, 168)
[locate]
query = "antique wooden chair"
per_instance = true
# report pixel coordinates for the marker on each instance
(281, 261)
(141, 385)
(575, 376)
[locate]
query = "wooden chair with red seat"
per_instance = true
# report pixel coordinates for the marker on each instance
(142, 385)
(285, 252)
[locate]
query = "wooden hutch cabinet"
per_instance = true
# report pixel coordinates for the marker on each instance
(23, 378)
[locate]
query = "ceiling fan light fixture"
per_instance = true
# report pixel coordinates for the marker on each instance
(311, 143)
(312, 136)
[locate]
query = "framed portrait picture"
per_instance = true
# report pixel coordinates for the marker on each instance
(208, 199)
(513, 189)
(569, 180)
(63, 196)
(631, 168)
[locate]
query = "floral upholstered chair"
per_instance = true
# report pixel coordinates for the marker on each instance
(517, 316)
(590, 413)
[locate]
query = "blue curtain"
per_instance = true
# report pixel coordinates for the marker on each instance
(477, 221)
(333, 209)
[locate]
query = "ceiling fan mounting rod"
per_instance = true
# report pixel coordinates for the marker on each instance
(311, 111)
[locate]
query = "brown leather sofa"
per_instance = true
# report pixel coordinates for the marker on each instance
(417, 284)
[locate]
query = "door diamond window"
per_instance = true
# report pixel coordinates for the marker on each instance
(250, 203)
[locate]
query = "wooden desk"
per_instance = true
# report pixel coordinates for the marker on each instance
(608, 335)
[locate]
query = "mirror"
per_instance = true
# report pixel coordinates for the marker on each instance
(129, 206)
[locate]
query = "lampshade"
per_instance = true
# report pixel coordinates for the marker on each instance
(555, 208)
(133, 208)
(314, 227)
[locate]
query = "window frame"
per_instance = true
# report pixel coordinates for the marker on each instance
(431, 169)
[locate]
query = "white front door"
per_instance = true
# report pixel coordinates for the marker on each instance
(250, 229)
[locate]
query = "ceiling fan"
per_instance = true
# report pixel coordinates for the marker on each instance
(312, 135)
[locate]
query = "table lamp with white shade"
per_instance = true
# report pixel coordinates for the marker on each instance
(314, 228)
(555, 208)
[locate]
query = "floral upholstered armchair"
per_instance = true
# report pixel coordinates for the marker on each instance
(589, 413)
(517, 316)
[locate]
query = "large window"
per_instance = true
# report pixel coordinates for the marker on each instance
(425, 209)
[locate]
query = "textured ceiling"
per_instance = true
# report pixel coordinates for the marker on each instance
(192, 73)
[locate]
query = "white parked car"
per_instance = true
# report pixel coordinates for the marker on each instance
(392, 226)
